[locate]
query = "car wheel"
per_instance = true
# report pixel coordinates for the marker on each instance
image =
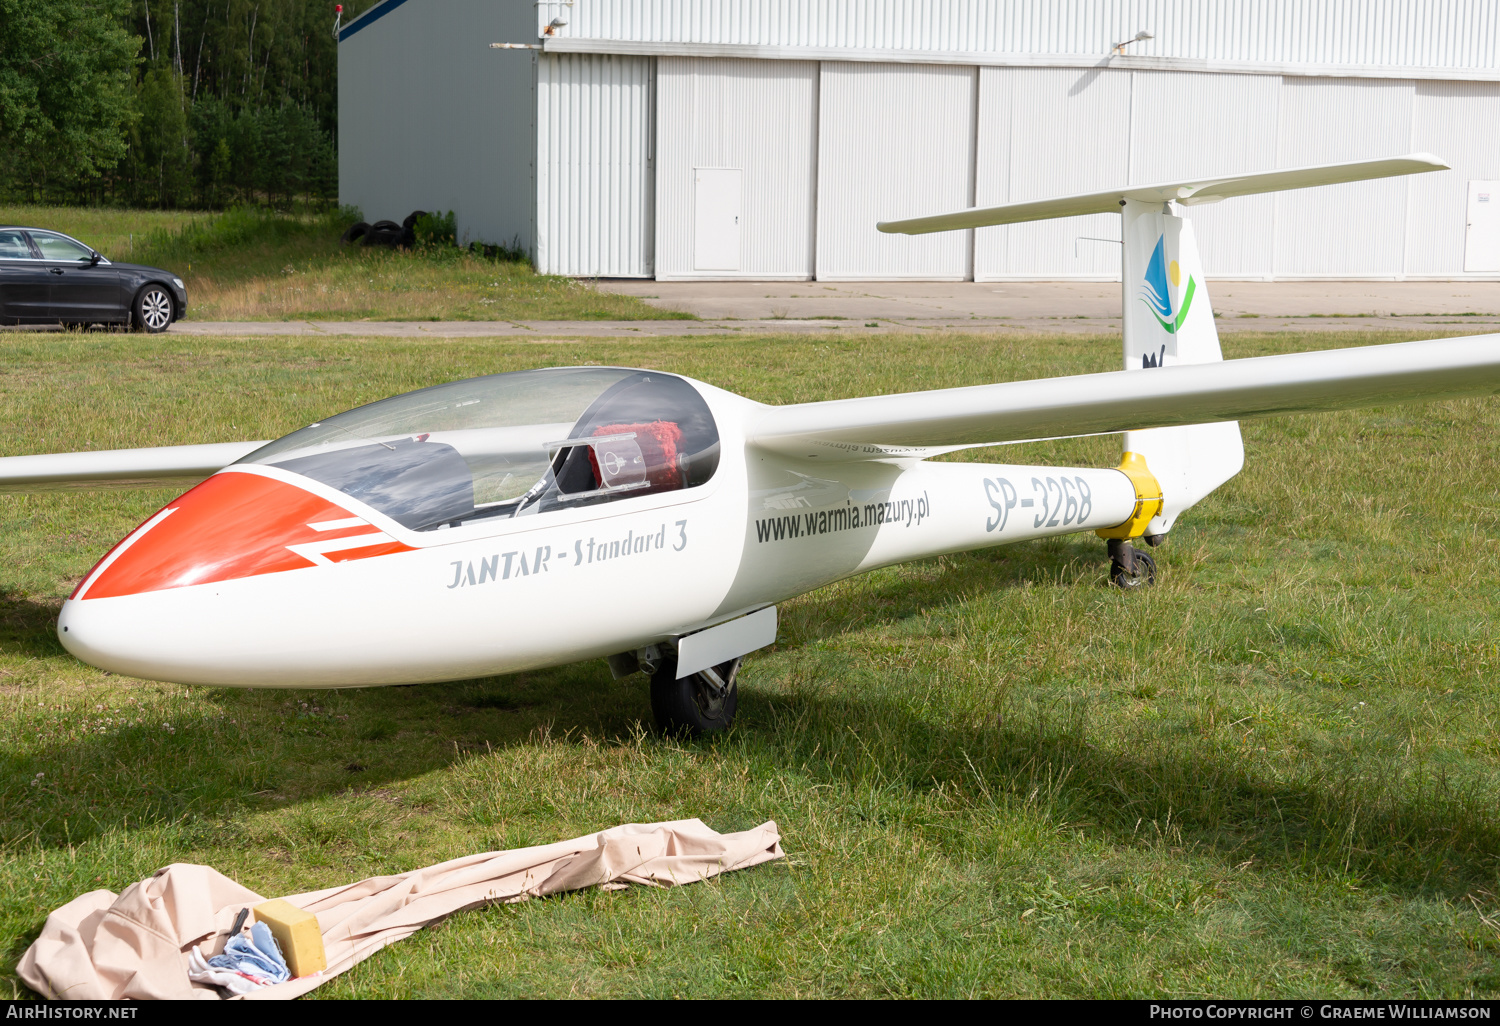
(153, 309)
(355, 233)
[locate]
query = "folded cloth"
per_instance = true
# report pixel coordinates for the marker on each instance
(257, 956)
(138, 944)
(200, 971)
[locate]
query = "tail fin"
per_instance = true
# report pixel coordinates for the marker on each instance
(1169, 320)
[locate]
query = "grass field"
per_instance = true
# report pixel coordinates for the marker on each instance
(1275, 774)
(254, 266)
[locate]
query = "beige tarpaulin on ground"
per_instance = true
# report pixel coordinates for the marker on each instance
(136, 944)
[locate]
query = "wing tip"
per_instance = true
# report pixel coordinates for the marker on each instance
(1433, 161)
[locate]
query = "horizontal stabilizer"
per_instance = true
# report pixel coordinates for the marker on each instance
(175, 465)
(1202, 190)
(893, 426)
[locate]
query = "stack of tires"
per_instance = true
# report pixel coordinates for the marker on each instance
(384, 233)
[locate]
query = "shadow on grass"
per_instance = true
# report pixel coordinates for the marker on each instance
(233, 750)
(28, 627)
(168, 756)
(1413, 833)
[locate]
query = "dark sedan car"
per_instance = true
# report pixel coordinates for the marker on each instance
(47, 277)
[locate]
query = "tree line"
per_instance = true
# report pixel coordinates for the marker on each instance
(169, 103)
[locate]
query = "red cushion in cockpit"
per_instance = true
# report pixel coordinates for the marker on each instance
(658, 441)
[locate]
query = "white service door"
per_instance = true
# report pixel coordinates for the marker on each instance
(1482, 241)
(716, 219)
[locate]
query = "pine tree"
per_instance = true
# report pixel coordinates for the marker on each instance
(66, 72)
(169, 102)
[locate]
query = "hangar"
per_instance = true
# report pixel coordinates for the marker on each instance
(762, 139)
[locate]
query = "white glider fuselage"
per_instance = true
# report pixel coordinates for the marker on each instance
(505, 595)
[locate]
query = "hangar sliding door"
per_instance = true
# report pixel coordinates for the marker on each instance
(1050, 132)
(736, 157)
(1353, 230)
(894, 140)
(1182, 131)
(1058, 131)
(594, 175)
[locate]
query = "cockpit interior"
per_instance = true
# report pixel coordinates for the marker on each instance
(510, 445)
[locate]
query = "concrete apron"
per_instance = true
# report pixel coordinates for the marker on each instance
(1073, 305)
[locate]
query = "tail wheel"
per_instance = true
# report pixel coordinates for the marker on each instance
(153, 309)
(1130, 568)
(700, 703)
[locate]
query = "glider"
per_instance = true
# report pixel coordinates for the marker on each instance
(536, 518)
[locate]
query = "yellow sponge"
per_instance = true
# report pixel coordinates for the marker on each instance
(297, 933)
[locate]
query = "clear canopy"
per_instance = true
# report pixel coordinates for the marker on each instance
(510, 445)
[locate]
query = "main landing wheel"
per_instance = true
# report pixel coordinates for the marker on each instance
(700, 703)
(1129, 568)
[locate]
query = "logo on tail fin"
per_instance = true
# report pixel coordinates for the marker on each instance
(1156, 293)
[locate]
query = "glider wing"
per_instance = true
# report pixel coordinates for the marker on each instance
(910, 424)
(1203, 190)
(173, 465)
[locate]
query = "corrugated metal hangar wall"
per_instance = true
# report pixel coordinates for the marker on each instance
(763, 139)
(430, 118)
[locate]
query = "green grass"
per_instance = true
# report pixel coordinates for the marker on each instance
(253, 265)
(1274, 774)
(119, 234)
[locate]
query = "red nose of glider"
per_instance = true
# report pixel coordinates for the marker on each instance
(233, 525)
